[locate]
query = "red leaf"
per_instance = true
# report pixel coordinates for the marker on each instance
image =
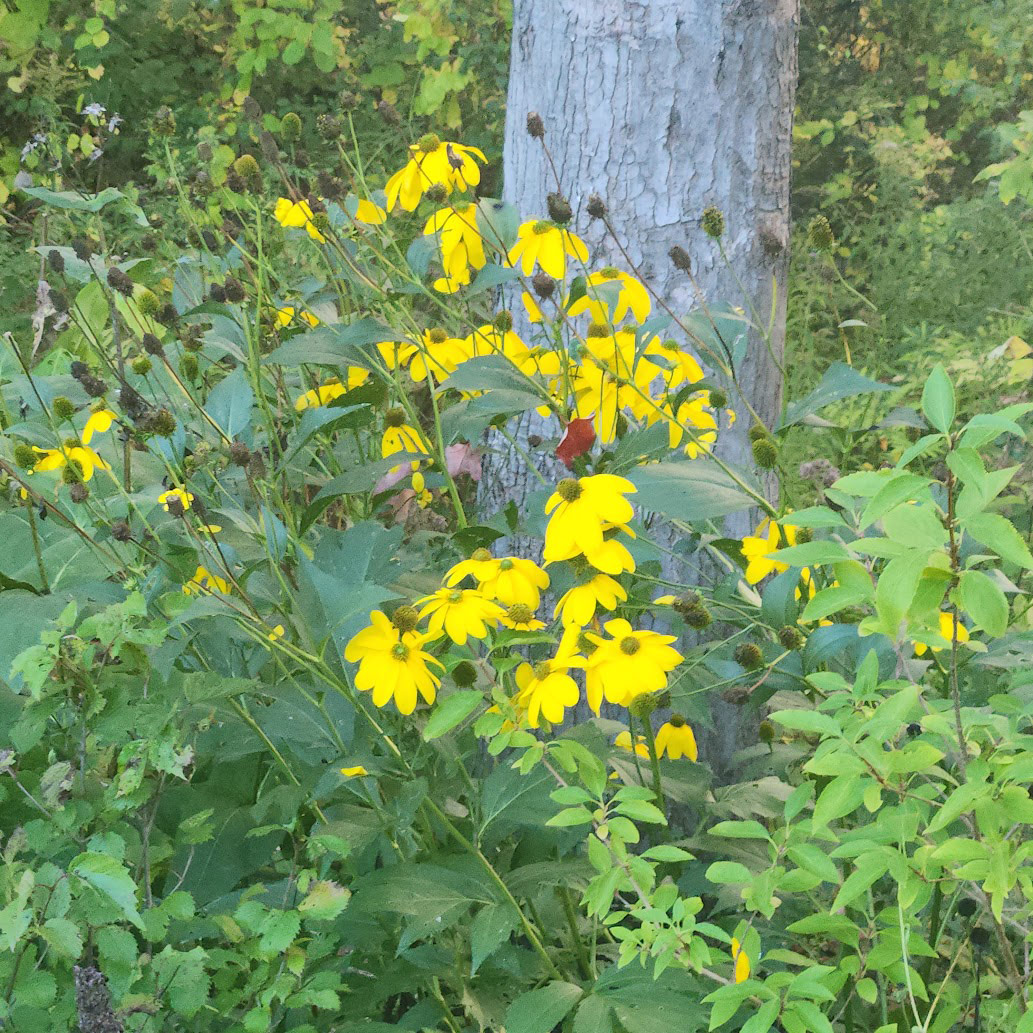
(577, 439)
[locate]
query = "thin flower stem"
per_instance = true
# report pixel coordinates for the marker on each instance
(654, 763)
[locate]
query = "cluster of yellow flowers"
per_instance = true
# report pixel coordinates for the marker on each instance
(77, 453)
(610, 372)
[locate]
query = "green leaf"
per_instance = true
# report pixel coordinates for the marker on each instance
(488, 373)
(277, 932)
(693, 491)
(111, 879)
(231, 402)
(870, 868)
(63, 936)
(840, 381)
(337, 344)
(840, 797)
(998, 533)
(489, 930)
(763, 1019)
(642, 810)
(740, 830)
(324, 900)
(540, 1011)
(807, 721)
(570, 816)
(938, 402)
(984, 602)
(72, 201)
(729, 872)
(452, 711)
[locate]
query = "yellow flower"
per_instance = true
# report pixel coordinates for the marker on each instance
(326, 393)
(757, 548)
(183, 497)
(356, 772)
(82, 456)
(480, 566)
(741, 961)
(581, 509)
(623, 742)
(396, 353)
(277, 633)
(286, 314)
(547, 245)
(100, 421)
(521, 618)
(577, 606)
(693, 414)
(433, 161)
(946, 631)
(439, 355)
(424, 497)
(631, 297)
(515, 582)
(296, 215)
(205, 582)
(627, 664)
(531, 307)
(684, 367)
(462, 247)
(392, 664)
(369, 213)
(546, 689)
(451, 284)
(459, 613)
(400, 437)
(675, 738)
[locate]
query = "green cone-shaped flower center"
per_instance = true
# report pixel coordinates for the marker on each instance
(630, 645)
(569, 489)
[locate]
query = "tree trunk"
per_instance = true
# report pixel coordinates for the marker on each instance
(662, 107)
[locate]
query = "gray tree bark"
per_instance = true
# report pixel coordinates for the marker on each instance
(662, 107)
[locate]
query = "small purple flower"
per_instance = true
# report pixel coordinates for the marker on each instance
(94, 109)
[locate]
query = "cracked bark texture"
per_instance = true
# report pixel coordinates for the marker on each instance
(661, 107)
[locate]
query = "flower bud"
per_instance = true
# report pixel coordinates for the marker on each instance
(141, 365)
(756, 432)
(765, 453)
(290, 126)
(24, 456)
(766, 732)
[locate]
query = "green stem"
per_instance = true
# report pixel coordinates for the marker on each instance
(45, 583)
(654, 763)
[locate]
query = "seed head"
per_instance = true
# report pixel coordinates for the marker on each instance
(535, 126)
(436, 335)
(24, 456)
(217, 292)
(348, 100)
(56, 261)
(141, 365)
(328, 127)
(597, 207)
(79, 492)
(83, 249)
(388, 113)
(791, 638)
(234, 290)
(152, 345)
(268, 146)
(64, 408)
(680, 258)
(504, 321)
(121, 531)
(120, 281)
(543, 284)
(718, 399)
(559, 208)
(749, 656)
(713, 222)
(161, 423)
(164, 122)
(598, 330)
(569, 489)
(405, 618)
(967, 907)
(240, 454)
(188, 366)
(246, 168)
(819, 234)
(394, 417)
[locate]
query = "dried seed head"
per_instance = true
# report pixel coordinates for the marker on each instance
(252, 109)
(79, 492)
(121, 531)
(388, 113)
(234, 289)
(680, 258)
(56, 261)
(348, 100)
(559, 208)
(328, 127)
(269, 147)
(597, 207)
(535, 126)
(544, 285)
(164, 122)
(240, 454)
(437, 193)
(120, 281)
(152, 345)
